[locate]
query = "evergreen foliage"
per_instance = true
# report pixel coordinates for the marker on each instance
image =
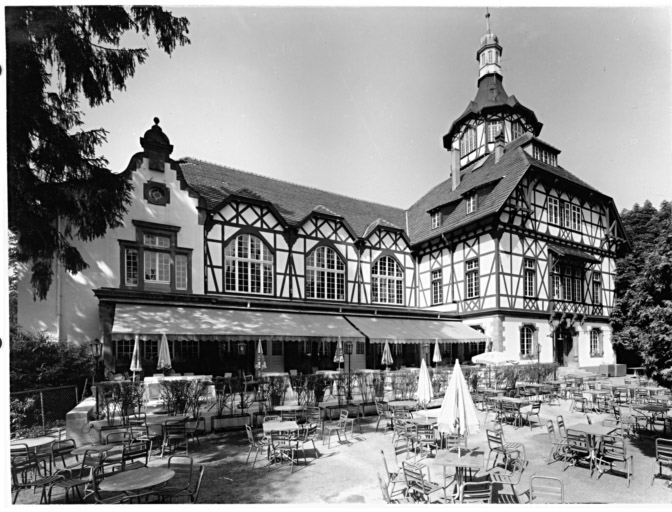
(56, 56)
(642, 316)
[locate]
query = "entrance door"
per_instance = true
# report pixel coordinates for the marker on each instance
(564, 343)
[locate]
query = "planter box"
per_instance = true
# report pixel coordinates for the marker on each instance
(368, 409)
(229, 422)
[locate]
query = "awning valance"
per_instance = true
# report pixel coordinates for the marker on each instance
(179, 323)
(568, 252)
(402, 330)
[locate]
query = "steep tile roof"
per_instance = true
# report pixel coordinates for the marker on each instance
(294, 202)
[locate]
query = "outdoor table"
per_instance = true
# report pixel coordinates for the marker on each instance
(654, 410)
(591, 394)
(593, 431)
(423, 420)
(97, 448)
(279, 426)
(494, 392)
(32, 442)
(427, 413)
(461, 460)
(136, 479)
(410, 404)
(518, 402)
(288, 408)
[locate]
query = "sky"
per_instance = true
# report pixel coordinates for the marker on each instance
(356, 100)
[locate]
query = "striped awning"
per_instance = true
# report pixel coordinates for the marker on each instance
(404, 330)
(179, 323)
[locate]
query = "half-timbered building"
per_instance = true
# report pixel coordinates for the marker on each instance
(511, 253)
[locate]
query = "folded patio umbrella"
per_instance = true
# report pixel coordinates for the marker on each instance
(387, 355)
(458, 413)
(436, 358)
(338, 356)
(164, 361)
(492, 358)
(135, 359)
(260, 362)
(425, 393)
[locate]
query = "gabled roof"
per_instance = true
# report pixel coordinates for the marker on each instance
(491, 97)
(215, 183)
(498, 180)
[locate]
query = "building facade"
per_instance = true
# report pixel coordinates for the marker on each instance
(511, 253)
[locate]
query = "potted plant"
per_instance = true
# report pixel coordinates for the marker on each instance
(366, 379)
(227, 390)
(316, 386)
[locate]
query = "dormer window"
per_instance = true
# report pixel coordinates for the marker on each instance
(472, 203)
(468, 141)
(494, 127)
(517, 130)
(436, 219)
(543, 155)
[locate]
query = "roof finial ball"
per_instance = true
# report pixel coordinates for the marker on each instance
(156, 120)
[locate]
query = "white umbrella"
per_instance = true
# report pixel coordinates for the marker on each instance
(493, 358)
(135, 359)
(260, 363)
(387, 355)
(425, 392)
(458, 413)
(436, 358)
(164, 361)
(338, 356)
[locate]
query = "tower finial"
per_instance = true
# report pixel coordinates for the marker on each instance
(487, 19)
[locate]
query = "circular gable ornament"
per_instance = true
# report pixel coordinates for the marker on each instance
(156, 195)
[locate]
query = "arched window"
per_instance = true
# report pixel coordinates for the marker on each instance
(325, 275)
(248, 266)
(387, 281)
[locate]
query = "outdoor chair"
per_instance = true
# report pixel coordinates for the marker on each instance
(421, 487)
(79, 476)
(43, 455)
(493, 406)
(174, 433)
(119, 437)
(510, 477)
(314, 415)
(613, 450)
(386, 495)
(425, 440)
(135, 455)
(534, 410)
(546, 489)
(511, 413)
(308, 435)
(183, 465)
(663, 458)
(105, 498)
(476, 492)
(339, 427)
(408, 435)
(288, 415)
(284, 446)
(354, 416)
(26, 474)
(263, 444)
(577, 400)
(384, 414)
(578, 449)
(562, 430)
(399, 426)
(498, 446)
(139, 431)
(394, 478)
(60, 449)
(195, 428)
(189, 494)
(558, 445)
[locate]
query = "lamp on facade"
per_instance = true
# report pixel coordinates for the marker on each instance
(348, 352)
(242, 348)
(96, 351)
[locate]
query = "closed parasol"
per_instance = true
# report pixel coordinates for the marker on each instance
(260, 361)
(458, 413)
(387, 355)
(164, 361)
(135, 359)
(425, 393)
(338, 356)
(436, 358)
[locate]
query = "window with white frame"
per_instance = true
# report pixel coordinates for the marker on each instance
(437, 277)
(472, 203)
(248, 266)
(325, 275)
(596, 348)
(151, 349)
(472, 279)
(124, 349)
(527, 341)
(436, 219)
(387, 281)
(517, 130)
(494, 127)
(576, 217)
(153, 260)
(530, 287)
(597, 288)
(553, 211)
(567, 282)
(468, 141)
(544, 155)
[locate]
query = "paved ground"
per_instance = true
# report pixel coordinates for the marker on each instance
(346, 473)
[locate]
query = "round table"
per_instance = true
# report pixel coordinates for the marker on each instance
(136, 479)
(288, 408)
(403, 403)
(32, 442)
(160, 419)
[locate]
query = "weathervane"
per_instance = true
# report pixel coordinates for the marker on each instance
(487, 19)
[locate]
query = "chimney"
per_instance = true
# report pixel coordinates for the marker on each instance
(455, 166)
(499, 145)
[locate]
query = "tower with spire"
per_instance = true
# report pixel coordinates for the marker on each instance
(472, 135)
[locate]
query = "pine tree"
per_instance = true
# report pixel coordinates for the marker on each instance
(59, 189)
